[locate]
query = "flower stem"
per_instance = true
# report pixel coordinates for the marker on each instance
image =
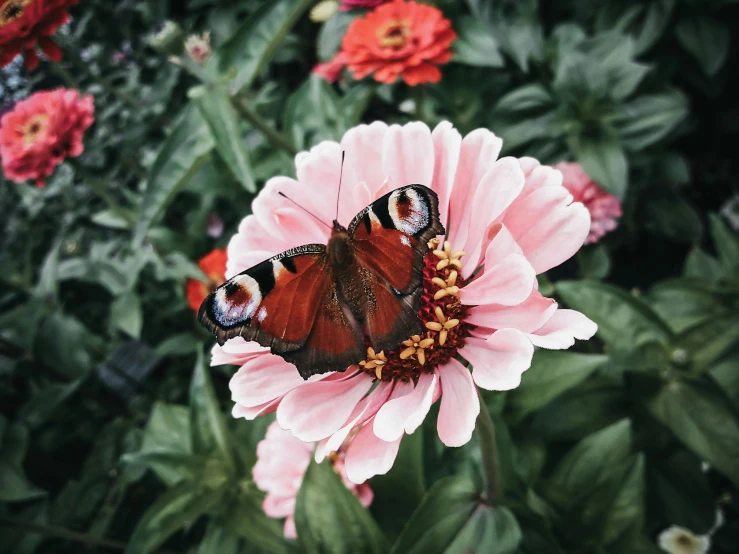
(256, 120)
(65, 75)
(486, 435)
(100, 188)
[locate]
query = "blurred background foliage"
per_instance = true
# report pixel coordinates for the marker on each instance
(114, 433)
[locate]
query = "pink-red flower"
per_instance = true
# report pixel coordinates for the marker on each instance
(24, 24)
(507, 219)
(604, 208)
(399, 39)
(213, 265)
(331, 69)
(347, 5)
(281, 463)
(41, 131)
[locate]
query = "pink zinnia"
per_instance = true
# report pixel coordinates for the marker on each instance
(510, 218)
(604, 208)
(347, 5)
(331, 69)
(281, 463)
(41, 131)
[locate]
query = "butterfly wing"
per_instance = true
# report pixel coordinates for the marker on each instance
(289, 304)
(391, 239)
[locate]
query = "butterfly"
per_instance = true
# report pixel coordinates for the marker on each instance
(320, 306)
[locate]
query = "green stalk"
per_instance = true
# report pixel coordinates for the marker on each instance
(486, 435)
(256, 120)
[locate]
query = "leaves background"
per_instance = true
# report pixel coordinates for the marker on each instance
(115, 435)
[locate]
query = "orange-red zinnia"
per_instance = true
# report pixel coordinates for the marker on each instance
(399, 38)
(41, 131)
(213, 265)
(24, 24)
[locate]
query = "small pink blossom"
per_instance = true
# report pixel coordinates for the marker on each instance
(281, 463)
(604, 208)
(347, 5)
(331, 70)
(506, 220)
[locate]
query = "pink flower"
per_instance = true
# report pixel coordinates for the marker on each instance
(604, 208)
(281, 463)
(510, 218)
(41, 131)
(347, 5)
(331, 69)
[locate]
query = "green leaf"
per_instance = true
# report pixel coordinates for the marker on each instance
(702, 265)
(706, 343)
(647, 119)
(683, 304)
(17, 539)
(216, 108)
(594, 262)
(181, 344)
(249, 50)
(680, 492)
(488, 530)
(701, 417)
(178, 159)
(399, 492)
(246, 518)
(329, 518)
(209, 432)
(45, 401)
(14, 487)
(219, 540)
(314, 114)
(725, 374)
(604, 161)
(180, 506)
(332, 33)
(63, 343)
(551, 374)
(707, 40)
(725, 241)
(168, 430)
(527, 97)
(179, 465)
(668, 214)
(623, 320)
(587, 465)
(476, 45)
(519, 30)
(126, 314)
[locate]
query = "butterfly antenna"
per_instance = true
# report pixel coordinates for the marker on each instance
(305, 210)
(341, 175)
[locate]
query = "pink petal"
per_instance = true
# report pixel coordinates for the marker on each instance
(236, 351)
(251, 413)
(548, 227)
(478, 152)
(362, 163)
(316, 410)
(460, 404)
(562, 329)
(278, 506)
(363, 412)
(538, 176)
(368, 456)
(318, 173)
(408, 155)
(289, 530)
(501, 245)
(447, 145)
(263, 379)
(499, 361)
(406, 413)
(498, 188)
(528, 316)
(509, 282)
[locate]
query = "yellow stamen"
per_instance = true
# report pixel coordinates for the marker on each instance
(442, 336)
(433, 326)
(407, 353)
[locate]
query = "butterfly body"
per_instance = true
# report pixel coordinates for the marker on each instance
(320, 306)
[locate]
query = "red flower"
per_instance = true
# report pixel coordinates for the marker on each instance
(214, 267)
(332, 68)
(41, 131)
(26, 23)
(399, 39)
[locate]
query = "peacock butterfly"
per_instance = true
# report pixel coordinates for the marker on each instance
(319, 306)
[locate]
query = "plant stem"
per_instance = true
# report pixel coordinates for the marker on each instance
(255, 119)
(99, 188)
(65, 75)
(64, 533)
(486, 435)
(420, 98)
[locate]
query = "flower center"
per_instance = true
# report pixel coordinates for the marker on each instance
(12, 10)
(442, 315)
(394, 34)
(34, 127)
(684, 540)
